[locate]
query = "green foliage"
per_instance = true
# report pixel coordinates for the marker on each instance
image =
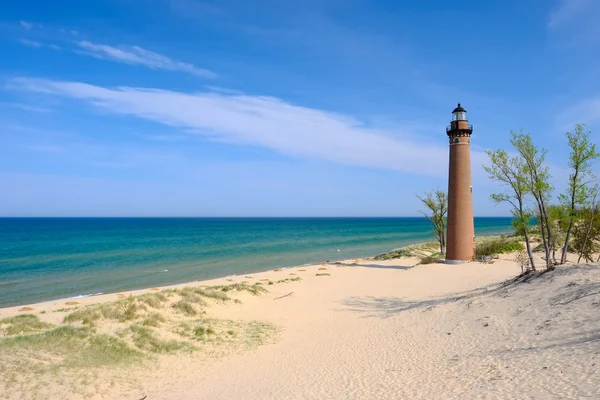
(537, 179)
(498, 246)
(583, 154)
(583, 188)
(586, 233)
(437, 205)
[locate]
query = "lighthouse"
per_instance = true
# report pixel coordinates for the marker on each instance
(460, 244)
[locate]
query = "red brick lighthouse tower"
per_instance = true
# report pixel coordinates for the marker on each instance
(460, 245)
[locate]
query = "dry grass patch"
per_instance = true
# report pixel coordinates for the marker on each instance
(23, 309)
(138, 327)
(22, 324)
(324, 274)
(322, 269)
(296, 279)
(154, 319)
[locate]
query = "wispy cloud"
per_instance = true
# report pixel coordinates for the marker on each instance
(27, 25)
(263, 121)
(585, 111)
(46, 148)
(30, 43)
(566, 12)
(136, 55)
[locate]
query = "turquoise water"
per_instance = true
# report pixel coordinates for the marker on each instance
(49, 258)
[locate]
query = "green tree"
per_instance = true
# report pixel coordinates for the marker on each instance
(511, 172)
(537, 178)
(583, 154)
(558, 223)
(437, 204)
(586, 232)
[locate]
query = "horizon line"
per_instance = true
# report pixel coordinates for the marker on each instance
(247, 217)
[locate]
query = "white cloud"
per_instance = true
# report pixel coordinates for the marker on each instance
(136, 55)
(38, 45)
(26, 25)
(566, 12)
(30, 43)
(585, 111)
(266, 122)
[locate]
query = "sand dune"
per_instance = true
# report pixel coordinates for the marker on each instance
(385, 330)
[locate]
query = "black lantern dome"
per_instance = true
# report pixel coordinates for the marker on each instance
(459, 114)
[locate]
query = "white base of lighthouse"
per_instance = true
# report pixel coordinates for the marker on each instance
(456, 261)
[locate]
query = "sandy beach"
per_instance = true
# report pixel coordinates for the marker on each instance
(365, 329)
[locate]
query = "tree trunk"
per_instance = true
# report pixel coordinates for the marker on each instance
(543, 231)
(526, 234)
(443, 242)
(587, 236)
(563, 258)
(549, 263)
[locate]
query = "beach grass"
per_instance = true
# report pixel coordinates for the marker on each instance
(127, 331)
(23, 324)
(500, 245)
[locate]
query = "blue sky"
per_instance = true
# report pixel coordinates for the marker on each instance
(278, 108)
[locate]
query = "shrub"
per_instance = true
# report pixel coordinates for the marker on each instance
(498, 246)
(185, 307)
(429, 260)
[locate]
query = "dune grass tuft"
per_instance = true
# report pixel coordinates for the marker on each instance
(240, 287)
(185, 307)
(146, 339)
(122, 310)
(23, 324)
(154, 319)
(71, 347)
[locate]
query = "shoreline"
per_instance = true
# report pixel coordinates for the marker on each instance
(84, 299)
(83, 296)
(315, 332)
(78, 302)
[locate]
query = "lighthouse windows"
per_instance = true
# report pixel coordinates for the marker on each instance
(456, 140)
